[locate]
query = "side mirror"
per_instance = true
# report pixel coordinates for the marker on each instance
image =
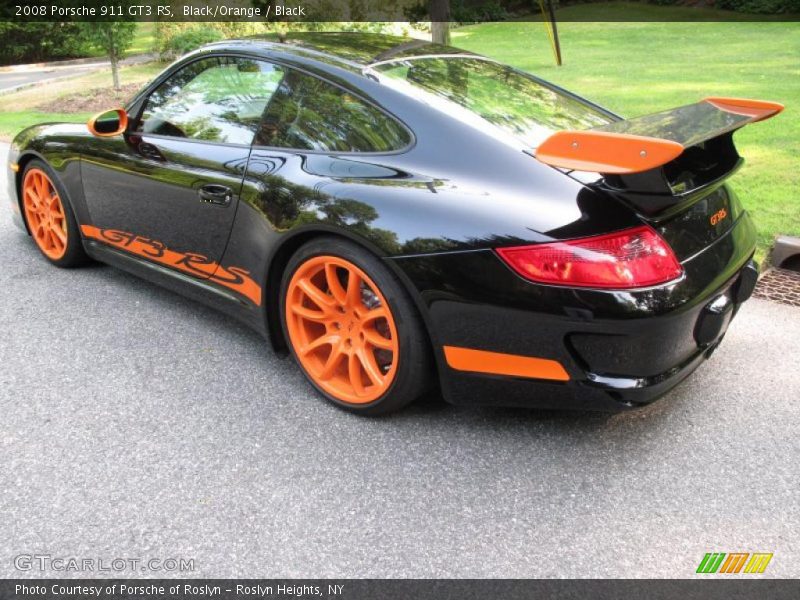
(108, 123)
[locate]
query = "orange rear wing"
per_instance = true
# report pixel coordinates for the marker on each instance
(648, 142)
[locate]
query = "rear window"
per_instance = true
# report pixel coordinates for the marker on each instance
(484, 92)
(310, 114)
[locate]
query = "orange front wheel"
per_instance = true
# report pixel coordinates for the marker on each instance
(49, 217)
(44, 213)
(340, 308)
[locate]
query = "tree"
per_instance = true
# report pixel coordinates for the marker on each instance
(440, 21)
(39, 41)
(114, 38)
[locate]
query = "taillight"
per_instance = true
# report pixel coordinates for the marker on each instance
(626, 259)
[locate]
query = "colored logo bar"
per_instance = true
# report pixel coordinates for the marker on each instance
(734, 562)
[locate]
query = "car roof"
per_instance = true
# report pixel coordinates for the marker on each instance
(353, 50)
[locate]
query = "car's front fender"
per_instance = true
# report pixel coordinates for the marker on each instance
(57, 144)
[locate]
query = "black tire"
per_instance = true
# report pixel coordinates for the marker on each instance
(75, 255)
(414, 370)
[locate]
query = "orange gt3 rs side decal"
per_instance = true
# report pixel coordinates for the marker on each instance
(497, 363)
(235, 278)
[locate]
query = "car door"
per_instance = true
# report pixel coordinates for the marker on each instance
(168, 189)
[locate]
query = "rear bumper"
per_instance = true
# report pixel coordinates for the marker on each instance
(620, 349)
(595, 393)
(709, 329)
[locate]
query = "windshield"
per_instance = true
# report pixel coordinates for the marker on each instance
(483, 92)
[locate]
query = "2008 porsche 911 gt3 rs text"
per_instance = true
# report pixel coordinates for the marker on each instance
(387, 210)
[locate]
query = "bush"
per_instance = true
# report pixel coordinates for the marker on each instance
(487, 11)
(176, 38)
(463, 12)
(38, 42)
(191, 39)
(763, 7)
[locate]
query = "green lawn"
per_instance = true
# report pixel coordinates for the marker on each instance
(11, 122)
(144, 40)
(22, 109)
(638, 68)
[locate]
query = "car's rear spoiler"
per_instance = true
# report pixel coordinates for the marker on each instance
(648, 142)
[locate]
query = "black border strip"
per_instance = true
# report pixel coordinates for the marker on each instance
(731, 587)
(386, 11)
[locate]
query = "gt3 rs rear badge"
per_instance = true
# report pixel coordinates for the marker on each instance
(235, 278)
(718, 217)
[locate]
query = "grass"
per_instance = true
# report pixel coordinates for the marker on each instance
(18, 120)
(144, 40)
(640, 11)
(22, 109)
(635, 68)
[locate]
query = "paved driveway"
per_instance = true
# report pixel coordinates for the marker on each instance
(10, 80)
(137, 424)
(14, 79)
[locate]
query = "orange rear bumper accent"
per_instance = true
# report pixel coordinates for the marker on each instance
(497, 363)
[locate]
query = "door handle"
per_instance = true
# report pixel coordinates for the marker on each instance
(212, 193)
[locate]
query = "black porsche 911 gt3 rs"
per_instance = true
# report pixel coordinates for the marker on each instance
(387, 209)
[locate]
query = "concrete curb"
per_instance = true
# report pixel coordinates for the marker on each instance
(49, 65)
(95, 60)
(131, 61)
(31, 84)
(785, 248)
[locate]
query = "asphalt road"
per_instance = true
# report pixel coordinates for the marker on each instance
(137, 424)
(14, 79)
(10, 80)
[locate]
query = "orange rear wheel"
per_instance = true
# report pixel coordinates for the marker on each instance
(45, 214)
(342, 329)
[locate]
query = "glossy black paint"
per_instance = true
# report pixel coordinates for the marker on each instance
(156, 185)
(433, 211)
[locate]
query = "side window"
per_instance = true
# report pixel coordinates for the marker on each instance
(218, 99)
(307, 113)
